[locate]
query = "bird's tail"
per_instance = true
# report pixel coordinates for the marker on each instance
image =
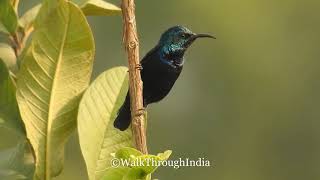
(123, 119)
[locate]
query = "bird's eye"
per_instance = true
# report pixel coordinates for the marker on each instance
(183, 35)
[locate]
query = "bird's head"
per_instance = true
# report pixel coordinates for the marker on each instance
(175, 41)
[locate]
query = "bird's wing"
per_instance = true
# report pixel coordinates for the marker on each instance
(149, 55)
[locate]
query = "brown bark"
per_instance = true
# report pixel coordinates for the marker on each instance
(131, 42)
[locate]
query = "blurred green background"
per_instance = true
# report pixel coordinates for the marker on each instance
(248, 101)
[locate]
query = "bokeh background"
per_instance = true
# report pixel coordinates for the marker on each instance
(248, 101)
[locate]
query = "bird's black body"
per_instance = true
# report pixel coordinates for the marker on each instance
(158, 78)
(161, 68)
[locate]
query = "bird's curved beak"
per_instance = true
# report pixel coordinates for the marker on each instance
(196, 36)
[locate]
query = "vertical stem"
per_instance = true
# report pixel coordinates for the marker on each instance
(131, 42)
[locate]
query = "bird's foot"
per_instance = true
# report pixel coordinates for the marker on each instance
(140, 112)
(139, 66)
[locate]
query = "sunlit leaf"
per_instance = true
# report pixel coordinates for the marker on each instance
(89, 8)
(145, 165)
(8, 56)
(134, 155)
(55, 71)
(116, 173)
(26, 21)
(127, 153)
(97, 111)
(149, 167)
(100, 8)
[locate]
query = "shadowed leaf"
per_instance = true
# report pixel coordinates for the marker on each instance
(8, 17)
(9, 112)
(17, 162)
(3, 29)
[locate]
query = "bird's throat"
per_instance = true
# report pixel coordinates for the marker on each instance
(174, 58)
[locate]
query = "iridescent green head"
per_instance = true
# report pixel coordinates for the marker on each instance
(175, 41)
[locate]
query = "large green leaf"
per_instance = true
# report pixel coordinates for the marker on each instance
(9, 112)
(8, 17)
(55, 71)
(97, 111)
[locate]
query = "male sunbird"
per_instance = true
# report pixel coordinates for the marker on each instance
(160, 69)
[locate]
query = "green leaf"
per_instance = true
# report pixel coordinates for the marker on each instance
(145, 165)
(134, 174)
(100, 8)
(165, 155)
(8, 16)
(127, 153)
(55, 71)
(89, 8)
(149, 167)
(150, 163)
(8, 56)
(97, 111)
(9, 112)
(80, 2)
(9, 174)
(124, 173)
(116, 173)
(131, 155)
(27, 20)
(17, 162)
(3, 29)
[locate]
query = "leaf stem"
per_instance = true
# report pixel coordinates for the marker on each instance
(16, 44)
(19, 39)
(131, 43)
(15, 4)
